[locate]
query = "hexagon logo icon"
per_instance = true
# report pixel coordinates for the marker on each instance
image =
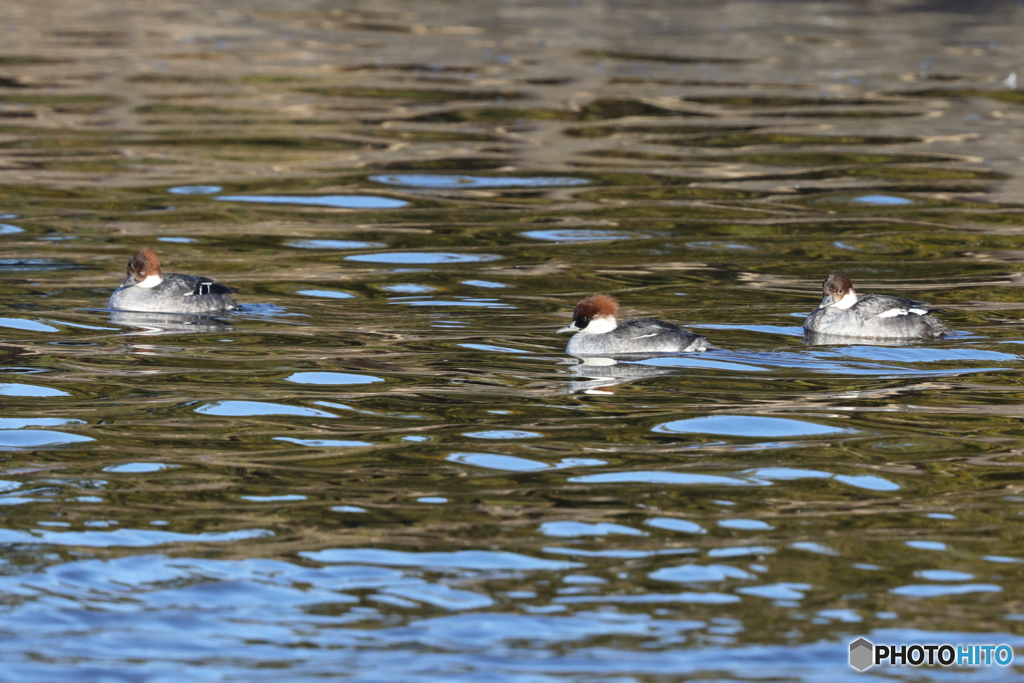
(862, 654)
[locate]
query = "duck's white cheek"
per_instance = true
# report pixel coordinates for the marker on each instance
(150, 281)
(848, 300)
(600, 325)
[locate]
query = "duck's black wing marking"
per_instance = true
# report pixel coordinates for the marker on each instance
(206, 285)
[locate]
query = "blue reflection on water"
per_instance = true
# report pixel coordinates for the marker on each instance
(937, 591)
(470, 302)
(483, 560)
(569, 235)
(457, 182)
(741, 551)
(655, 477)
(694, 361)
(868, 481)
(129, 538)
(812, 547)
(943, 575)
(491, 347)
(256, 408)
(138, 467)
(27, 325)
(865, 481)
(409, 289)
(37, 438)
(854, 357)
(195, 189)
(767, 329)
(786, 473)
(920, 354)
(577, 529)
(927, 545)
(331, 378)
(746, 426)
(846, 616)
(719, 246)
(512, 463)
(777, 591)
(332, 244)
(745, 524)
(19, 422)
(421, 257)
(335, 201)
(618, 554)
(696, 573)
(503, 434)
(882, 200)
(672, 524)
(487, 284)
(438, 595)
(326, 293)
(348, 508)
(646, 598)
(324, 443)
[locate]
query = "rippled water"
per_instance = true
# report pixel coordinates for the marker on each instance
(384, 467)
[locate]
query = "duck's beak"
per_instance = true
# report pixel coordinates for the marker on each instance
(571, 327)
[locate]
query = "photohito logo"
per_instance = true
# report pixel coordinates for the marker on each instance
(865, 654)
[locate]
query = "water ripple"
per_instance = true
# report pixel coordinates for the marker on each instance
(458, 182)
(421, 257)
(128, 538)
(696, 573)
(38, 438)
(331, 378)
(481, 560)
(651, 477)
(332, 201)
(27, 325)
(746, 426)
(258, 408)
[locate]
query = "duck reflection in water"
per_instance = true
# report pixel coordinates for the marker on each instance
(146, 324)
(595, 374)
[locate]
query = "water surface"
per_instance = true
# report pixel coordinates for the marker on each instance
(384, 467)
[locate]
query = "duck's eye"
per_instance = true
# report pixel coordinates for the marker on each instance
(581, 323)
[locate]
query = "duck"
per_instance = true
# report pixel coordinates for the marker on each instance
(844, 313)
(147, 288)
(597, 332)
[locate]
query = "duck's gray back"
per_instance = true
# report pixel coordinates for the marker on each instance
(914, 321)
(176, 294)
(640, 335)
